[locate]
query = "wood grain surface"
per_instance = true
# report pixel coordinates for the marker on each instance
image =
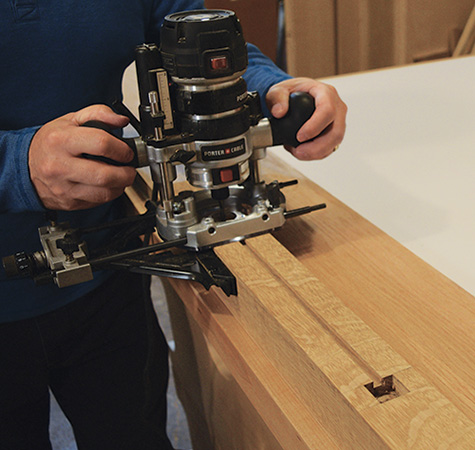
(329, 309)
(425, 317)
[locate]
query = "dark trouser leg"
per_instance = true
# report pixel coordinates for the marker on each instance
(95, 355)
(24, 395)
(112, 381)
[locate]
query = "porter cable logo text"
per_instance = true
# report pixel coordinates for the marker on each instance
(217, 153)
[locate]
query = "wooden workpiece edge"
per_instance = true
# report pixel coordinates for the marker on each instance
(422, 395)
(304, 329)
(286, 416)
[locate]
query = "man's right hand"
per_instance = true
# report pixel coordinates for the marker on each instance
(63, 179)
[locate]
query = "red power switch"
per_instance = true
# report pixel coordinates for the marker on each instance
(226, 175)
(219, 63)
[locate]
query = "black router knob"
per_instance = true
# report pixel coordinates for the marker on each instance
(68, 245)
(284, 130)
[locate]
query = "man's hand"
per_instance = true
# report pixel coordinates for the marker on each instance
(325, 129)
(63, 179)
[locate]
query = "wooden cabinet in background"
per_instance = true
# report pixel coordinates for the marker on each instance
(258, 20)
(328, 37)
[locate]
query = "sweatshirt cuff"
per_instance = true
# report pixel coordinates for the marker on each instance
(28, 197)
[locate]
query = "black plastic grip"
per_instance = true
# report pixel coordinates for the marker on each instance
(129, 141)
(284, 130)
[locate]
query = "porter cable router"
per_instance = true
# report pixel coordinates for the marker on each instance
(195, 111)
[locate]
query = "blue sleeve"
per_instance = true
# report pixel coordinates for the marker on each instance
(261, 74)
(17, 192)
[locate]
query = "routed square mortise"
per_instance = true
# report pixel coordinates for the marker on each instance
(385, 391)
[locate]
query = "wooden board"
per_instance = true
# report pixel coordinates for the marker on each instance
(245, 401)
(330, 356)
(426, 318)
(331, 37)
(310, 38)
(258, 20)
(466, 43)
(335, 306)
